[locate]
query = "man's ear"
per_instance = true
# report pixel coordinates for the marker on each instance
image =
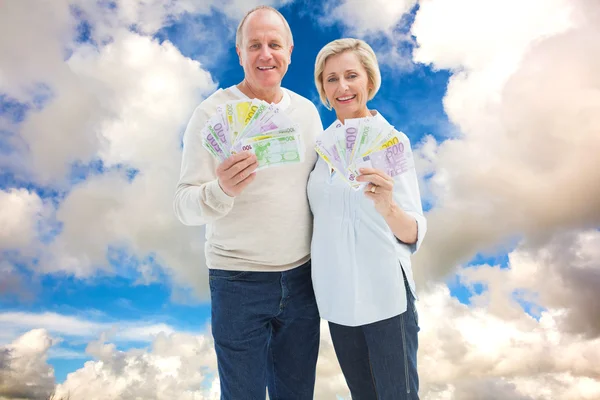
(239, 53)
(290, 55)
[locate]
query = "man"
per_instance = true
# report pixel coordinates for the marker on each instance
(265, 320)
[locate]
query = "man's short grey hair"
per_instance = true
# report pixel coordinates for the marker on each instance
(239, 35)
(365, 54)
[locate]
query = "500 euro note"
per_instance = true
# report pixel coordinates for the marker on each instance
(393, 160)
(211, 144)
(218, 130)
(328, 152)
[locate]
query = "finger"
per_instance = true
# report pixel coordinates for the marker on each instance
(375, 171)
(238, 167)
(376, 180)
(248, 180)
(370, 194)
(245, 173)
(232, 160)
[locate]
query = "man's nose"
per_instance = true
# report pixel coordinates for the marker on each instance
(265, 52)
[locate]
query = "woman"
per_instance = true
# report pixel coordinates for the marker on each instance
(362, 242)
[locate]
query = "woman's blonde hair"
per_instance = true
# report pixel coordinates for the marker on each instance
(365, 54)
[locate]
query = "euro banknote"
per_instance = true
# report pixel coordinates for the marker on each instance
(369, 142)
(255, 126)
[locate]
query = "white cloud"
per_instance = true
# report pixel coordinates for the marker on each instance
(363, 17)
(236, 9)
(11, 282)
(473, 35)
(178, 366)
(563, 275)
(24, 372)
(477, 355)
(492, 348)
(70, 327)
(125, 102)
(20, 212)
(524, 97)
(37, 56)
(379, 22)
(148, 103)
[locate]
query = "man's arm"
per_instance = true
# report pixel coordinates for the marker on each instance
(199, 199)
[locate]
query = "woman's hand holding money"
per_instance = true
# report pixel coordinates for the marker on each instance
(379, 189)
(237, 172)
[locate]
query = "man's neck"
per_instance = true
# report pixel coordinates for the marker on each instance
(271, 95)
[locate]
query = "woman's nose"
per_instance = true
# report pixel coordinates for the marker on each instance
(343, 84)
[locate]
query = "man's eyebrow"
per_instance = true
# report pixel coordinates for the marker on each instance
(273, 39)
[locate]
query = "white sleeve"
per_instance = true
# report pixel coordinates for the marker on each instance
(198, 198)
(407, 196)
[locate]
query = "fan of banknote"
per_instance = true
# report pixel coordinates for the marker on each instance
(364, 143)
(255, 126)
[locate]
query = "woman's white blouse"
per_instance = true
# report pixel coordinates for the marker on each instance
(357, 261)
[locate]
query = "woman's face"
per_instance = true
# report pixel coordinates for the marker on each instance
(346, 85)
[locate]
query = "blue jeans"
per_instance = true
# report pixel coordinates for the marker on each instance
(266, 331)
(379, 360)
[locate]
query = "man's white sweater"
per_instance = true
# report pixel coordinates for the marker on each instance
(268, 227)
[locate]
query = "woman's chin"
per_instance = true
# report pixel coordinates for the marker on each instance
(348, 111)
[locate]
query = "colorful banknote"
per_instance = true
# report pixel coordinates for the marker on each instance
(364, 143)
(276, 150)
(255, 126)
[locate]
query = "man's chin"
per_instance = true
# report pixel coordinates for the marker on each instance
(269, 82)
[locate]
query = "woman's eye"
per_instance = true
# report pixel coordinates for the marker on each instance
(352, 76)
(331, 79)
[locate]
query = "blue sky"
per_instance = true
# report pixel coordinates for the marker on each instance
(484, 212)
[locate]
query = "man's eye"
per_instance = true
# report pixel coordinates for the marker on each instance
(275, 45)
(255, 46)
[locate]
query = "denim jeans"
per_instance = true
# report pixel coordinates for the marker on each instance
(266, 331)
(379, 360)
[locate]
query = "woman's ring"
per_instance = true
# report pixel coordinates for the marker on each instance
(372, 189)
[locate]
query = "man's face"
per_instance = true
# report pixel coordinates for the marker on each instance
(265, 52)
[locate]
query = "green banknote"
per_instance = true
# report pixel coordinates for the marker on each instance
(276, 150)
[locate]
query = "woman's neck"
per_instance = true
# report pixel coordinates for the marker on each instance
(359, 114)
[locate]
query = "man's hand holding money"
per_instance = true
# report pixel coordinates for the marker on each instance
(237, 172)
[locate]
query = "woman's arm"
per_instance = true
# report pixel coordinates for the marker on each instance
(381, 190)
